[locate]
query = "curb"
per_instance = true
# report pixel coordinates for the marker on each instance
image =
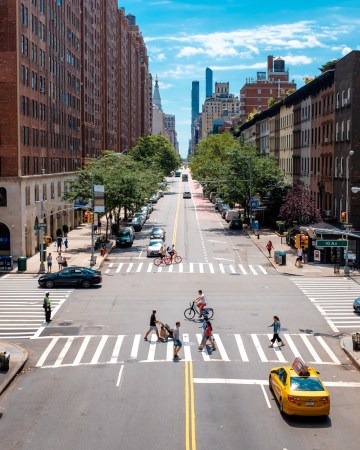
(16, 371)
(350, 355)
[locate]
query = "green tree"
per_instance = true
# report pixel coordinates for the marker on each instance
(156, 151)
(329, 65)
(299, 207)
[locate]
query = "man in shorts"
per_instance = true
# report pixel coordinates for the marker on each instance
(171, 251)
(200, 302)
(177, 342)
(153, 326)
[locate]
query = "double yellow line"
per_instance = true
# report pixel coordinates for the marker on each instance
(190, 429)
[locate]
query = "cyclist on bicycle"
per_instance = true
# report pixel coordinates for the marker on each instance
(162, 251)
(171, 251)
(200, 302)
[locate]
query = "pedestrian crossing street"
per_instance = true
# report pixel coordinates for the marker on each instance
(21, 301)
(333, 297)
(185, 267)
(70, 351)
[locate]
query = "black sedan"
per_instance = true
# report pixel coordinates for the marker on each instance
(72, 276)
(236, 224)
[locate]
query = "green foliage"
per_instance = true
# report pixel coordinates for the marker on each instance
(65, 228)
(299, 207)
(59, 232)
(156, 152)
(329, 65)
(271, 102)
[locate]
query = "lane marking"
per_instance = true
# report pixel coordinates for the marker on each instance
(241, 348)
(63, 352)
(135, 346)
(266, 397)
(253, 270)
(119, 267)
(116, 351)
(139, 267)
(119, 377)
(221, 348)
(277, 351)
(82, 350)
(259, 348)
(241, 267)
(47, 351)
(350, 384)
(99, 349)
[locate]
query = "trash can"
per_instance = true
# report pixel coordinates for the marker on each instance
(21, 263)
(356, 341)
(282, 258)
(337, 268)
(276, 257)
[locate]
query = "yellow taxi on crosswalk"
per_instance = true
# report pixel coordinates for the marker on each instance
(299, 390)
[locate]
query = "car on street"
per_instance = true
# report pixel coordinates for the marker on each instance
(222, 207)
(299, 390)
(224, 211)
(187, 195)
(134, 222)
(161, 193)
(236, 224)
(153, 199)
(125, 237)
(141, 216)
(356, 305)
(71, 276)
(150, 206)
(231, 214)
(154, 247)
(145, 211)
(157, 233)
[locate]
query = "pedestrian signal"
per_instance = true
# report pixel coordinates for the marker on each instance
(298, 241)
(343, 216)
(304, 241)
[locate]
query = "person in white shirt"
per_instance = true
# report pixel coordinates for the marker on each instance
(299, 258)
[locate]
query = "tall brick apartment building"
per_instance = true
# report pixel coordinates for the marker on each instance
(74, 79)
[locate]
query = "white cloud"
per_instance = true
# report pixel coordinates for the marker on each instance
(190, 51)
(165, 85)
(345, 51)
(160, 57)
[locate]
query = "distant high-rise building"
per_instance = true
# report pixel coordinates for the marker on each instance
(156, 96)
(209, 82)
(195, 106)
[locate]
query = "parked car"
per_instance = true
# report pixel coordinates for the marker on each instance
(157, 233)
(145, 211)
(153, 199)
(236, 224)
(212, 195)
(231, 214)
(223, 206)
(150, 206)
(141, 216)
(154, 246)
(125, 237)
(224, 211)
(161, 193)
(217, 200)
(187, 195)
(356, 305)
(71, 276)
(134, 222)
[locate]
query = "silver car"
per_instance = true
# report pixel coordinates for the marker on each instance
(154, 247)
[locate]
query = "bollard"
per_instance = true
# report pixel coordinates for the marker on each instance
(4, 360)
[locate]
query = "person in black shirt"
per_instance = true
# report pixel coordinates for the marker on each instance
(153, 326)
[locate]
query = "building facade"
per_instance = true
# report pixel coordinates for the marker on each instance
(208, 82)
(60, 64)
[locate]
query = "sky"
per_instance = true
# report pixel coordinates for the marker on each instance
(234, 38)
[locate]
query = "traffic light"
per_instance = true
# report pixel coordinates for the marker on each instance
(304, 241)
(343, 216)
(298, 241)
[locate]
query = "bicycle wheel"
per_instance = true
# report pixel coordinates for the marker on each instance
(177, 259)
(208, 312)
(157, 261)
(189, 313)
(167, 260)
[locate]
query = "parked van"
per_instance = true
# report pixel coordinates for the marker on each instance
(232, 214)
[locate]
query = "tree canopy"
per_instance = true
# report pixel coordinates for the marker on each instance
(299, 207)
(328, 65)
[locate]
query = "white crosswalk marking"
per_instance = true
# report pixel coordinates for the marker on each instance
(70, 351)
(21, 301)
(191, 267)
(333, 297)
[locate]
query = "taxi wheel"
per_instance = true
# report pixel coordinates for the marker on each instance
(281, 406)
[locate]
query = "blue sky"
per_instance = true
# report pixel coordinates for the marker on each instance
(233, 38)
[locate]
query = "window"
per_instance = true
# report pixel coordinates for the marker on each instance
(3, 197)
(348, 130)
(338, 100)
(24, 14)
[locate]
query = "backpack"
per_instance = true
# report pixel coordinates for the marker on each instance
(169, 249)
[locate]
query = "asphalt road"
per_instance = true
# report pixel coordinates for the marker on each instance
(93, 383)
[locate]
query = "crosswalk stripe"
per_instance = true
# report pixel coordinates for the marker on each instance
(135, 346)
(241, 267)
(152, 348)
(159, 269)
(191, 268)
(82, 350)
(63, 352)
(221, 266)
(241, 348)
(129, 268)
(259, 348)
(139, 267)
(204, 352)
(171, 268)
(262, 269)
(47, 351)
(116, 351)
(150, 267)
(221, 348)
(292, 346)
(328, 350)
(211, 267)
(181, 267)
(119, 267)
(170, 351)
(187, 351)
(99, 349)
(231, 268)
(201, 267)
(310, 348)
(252, 269)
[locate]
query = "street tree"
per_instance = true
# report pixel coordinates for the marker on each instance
(156, 152)
(328, 65)
(299, 207)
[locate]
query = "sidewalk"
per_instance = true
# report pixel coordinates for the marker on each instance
(78, 254)
(308, 269)
(347, 345)
(18, 358)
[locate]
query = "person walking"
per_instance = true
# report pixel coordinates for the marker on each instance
(269, 246)
(153, 326)
(66, 244)
(99, 225)
(208, 337)
(299, 257)
(49, 262)
(59, 242)
(177, 342)
(59, 260)
(276, 326)
(47, 307)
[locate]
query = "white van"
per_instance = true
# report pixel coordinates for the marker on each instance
(232, 214)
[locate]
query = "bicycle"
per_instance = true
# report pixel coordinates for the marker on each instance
(162, 260)
(176, 259)
(189, 313)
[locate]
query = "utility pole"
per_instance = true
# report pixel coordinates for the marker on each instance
(92, 260)
(250, 190)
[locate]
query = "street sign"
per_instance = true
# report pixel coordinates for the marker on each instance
(37, 227)
(334, 243)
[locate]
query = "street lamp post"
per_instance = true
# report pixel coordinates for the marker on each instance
(347, 226)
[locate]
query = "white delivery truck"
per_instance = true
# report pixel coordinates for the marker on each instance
(233, 214)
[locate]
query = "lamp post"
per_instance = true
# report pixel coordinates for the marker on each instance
(92, 257)
(347, 226)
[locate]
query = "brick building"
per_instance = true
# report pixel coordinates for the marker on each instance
(63, 98)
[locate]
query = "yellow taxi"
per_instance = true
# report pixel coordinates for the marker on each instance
(299, 390)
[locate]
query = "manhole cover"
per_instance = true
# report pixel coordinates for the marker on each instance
(65, 324)
(61, 331)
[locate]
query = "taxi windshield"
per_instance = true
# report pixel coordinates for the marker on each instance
(305, 384)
